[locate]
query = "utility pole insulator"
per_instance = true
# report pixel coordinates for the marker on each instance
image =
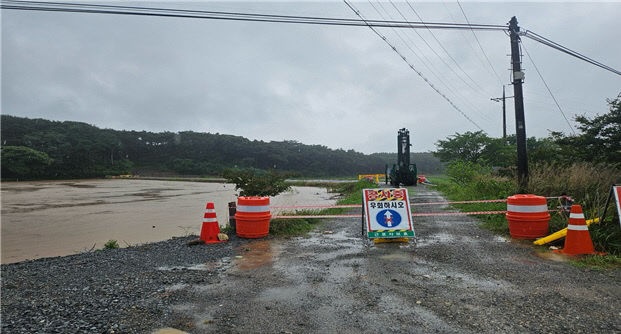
(520, 124)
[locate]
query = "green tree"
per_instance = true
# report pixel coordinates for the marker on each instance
(468, 146)
(600, 137)
(23, 162)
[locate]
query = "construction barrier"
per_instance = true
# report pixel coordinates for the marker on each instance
(370, 177)
(411, 204)
(415, 214)
(578, 240)
(560, 234)
(252, 217)
(527, 216)
(210, 228)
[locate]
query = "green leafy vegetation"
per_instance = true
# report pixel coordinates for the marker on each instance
(583, 166)
(111, 244)
(351, 193)
(256, 182)
(23, 162)
(80, 150)
(598, 262)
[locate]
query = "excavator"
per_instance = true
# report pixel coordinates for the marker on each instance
(403, 172)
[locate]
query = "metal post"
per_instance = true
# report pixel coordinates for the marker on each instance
(520, 124)
(610, 194)
(232, 211)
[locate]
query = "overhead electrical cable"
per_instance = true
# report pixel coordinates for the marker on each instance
(435, 52)
(479, 43)
(219, 15)
(549, 90)
(450, 88)
(357, 12)
(441, 46)
(432, 50)
(271, 18)
(564, 49)
(482, 63)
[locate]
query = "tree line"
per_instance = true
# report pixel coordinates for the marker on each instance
(39, 148)
(598, 141)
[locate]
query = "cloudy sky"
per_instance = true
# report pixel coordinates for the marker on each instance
(336, 86)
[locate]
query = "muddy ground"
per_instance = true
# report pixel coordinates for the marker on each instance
(456, 278)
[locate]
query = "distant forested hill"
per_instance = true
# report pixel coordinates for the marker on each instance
(39, 148)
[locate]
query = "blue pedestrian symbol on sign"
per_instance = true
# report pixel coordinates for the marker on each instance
(388, 218)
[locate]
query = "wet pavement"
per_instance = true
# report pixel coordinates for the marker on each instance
(454, 278)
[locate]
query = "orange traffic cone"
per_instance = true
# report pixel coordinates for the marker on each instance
(210, 228)
(578, 240)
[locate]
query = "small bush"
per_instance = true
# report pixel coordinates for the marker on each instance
(463, 172)
(256, 182)
(111, 244)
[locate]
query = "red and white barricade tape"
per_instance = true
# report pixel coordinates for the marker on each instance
(412, 204)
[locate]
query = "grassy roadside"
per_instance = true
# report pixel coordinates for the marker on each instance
(496, 189)
(351, 193)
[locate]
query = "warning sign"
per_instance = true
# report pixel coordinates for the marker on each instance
(387, 213)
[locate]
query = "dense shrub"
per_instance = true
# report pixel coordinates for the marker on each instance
(256, 182)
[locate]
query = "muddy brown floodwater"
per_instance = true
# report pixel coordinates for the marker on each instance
(56, 218)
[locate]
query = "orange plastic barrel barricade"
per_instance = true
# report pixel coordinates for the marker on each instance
(528, 216)
(253, 216)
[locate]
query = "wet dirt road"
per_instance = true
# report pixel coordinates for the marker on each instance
(56, 218)
(456, 278)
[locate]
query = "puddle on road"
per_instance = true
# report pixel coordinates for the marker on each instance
(256, 254)
(324, 247)
(447, 238)
(221, 264)
(552, 256)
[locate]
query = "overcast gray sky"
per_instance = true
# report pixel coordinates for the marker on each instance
(336, 86)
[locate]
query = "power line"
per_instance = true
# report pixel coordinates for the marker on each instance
(431, 48)
(450, 88)
(479, 43)
(564, 49)
(412, 66)
(218, 15)
(482, 63)
(549, 91)
(439, 43)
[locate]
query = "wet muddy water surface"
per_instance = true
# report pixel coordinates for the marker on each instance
(43, 219)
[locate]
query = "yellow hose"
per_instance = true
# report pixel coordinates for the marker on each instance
(559, 234)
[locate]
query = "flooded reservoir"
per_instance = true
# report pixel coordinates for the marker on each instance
(55, 218)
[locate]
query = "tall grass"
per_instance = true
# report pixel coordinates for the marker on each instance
(587, 183)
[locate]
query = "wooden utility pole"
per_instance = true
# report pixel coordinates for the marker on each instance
(520, 125)
(504, 111)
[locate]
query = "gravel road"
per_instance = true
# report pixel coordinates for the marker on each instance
(455, 278)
